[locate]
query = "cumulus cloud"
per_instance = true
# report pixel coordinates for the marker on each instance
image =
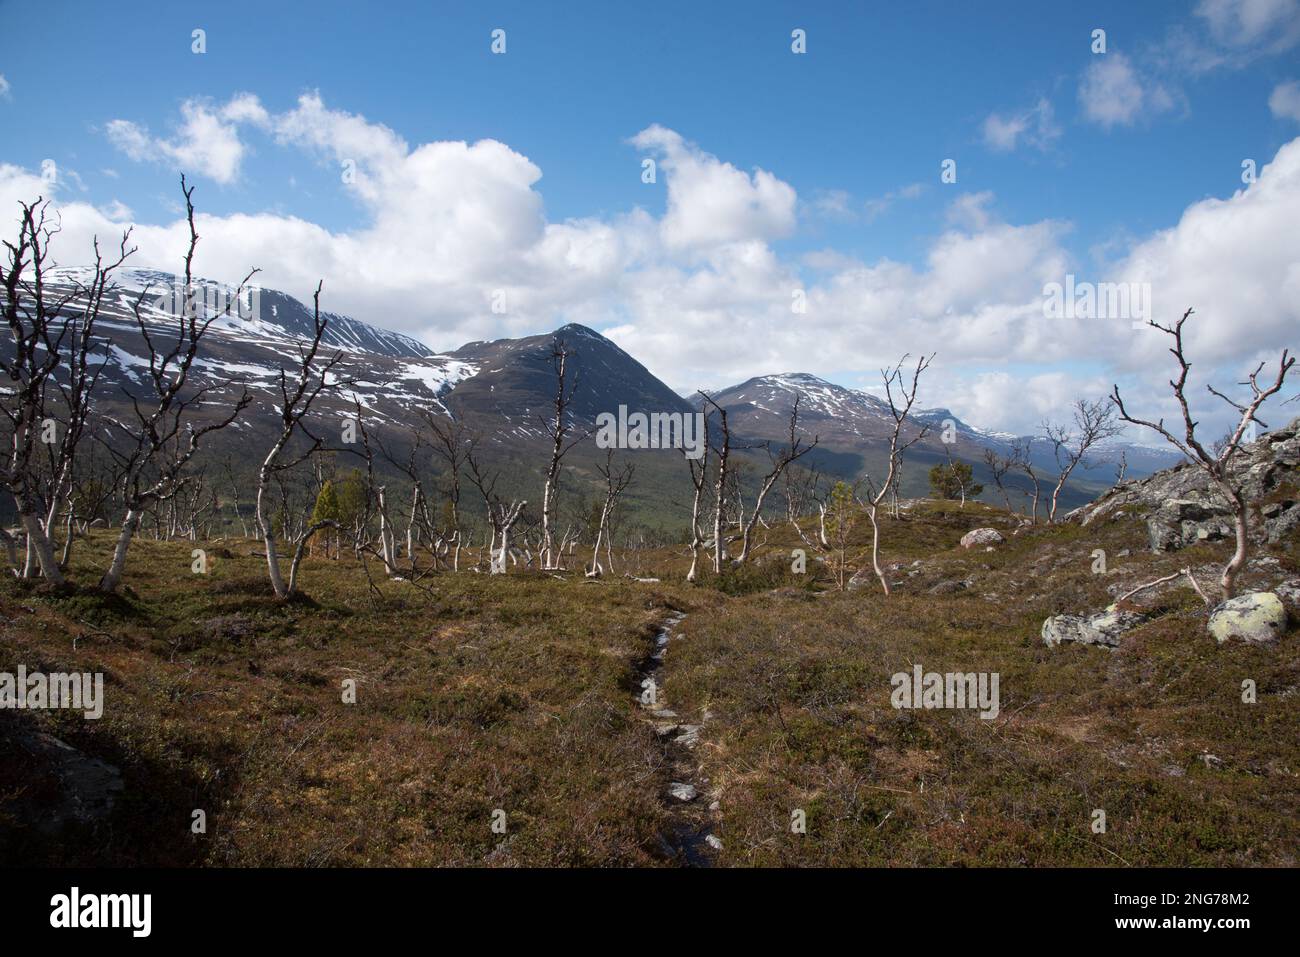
(1236, 260)
(1113, 94)
(4, 87)
(701, 294)
(988, 397)
(711, 202)
(206, 141)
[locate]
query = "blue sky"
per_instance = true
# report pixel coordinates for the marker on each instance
(1088, 162)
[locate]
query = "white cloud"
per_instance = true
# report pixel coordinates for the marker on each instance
(4, 87)
(206, 142)
(711, 202)
(833, 204)
(874, 208)
(1285, 100)
(117, 212)
(1274, 24)
(971, 210)
(1020, 401)
(18, 185)
(1035, 127)
(1112, 94)
(701, 296)
(1236, 261)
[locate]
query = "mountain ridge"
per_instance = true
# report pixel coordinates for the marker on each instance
(504, 388)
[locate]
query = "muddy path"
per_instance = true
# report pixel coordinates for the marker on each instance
(688, 840)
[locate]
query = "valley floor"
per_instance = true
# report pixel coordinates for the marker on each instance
(502, 721)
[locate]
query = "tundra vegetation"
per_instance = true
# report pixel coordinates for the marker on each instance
(446, 676)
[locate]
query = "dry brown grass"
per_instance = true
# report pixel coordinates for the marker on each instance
(518, 693)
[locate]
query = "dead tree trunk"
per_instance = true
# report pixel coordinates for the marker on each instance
(1218, 467)
(616, 482)
(295, 402)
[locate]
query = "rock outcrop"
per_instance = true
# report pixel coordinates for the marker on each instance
(1184, 521)
(1182, 506)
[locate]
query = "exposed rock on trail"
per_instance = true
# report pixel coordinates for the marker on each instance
(689, 840)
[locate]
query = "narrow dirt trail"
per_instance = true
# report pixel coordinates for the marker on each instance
(689, 840)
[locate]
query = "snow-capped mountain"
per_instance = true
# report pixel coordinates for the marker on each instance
(247, 345)
(850, 424)
(503, 389)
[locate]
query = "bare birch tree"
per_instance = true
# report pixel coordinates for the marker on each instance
(558, 429)
(723, 454)
(156, 448)
(900, 408)
(998, 467)
(699, 469)
(452, 444)
(616, 483)
(1093, 422)
(502, 513)
(40, 324)
(1216, 465)
(1022, 460)
(780, 460)
(296, 398)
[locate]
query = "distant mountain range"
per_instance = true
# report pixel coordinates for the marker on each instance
(505, 388)
(852, 425)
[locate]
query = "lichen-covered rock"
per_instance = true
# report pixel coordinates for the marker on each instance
(1104, 628)
(979, 537)
(1258, 618)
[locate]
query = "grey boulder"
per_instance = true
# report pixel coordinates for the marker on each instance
(1258, 618)
(1104, 628)
(978, 537)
